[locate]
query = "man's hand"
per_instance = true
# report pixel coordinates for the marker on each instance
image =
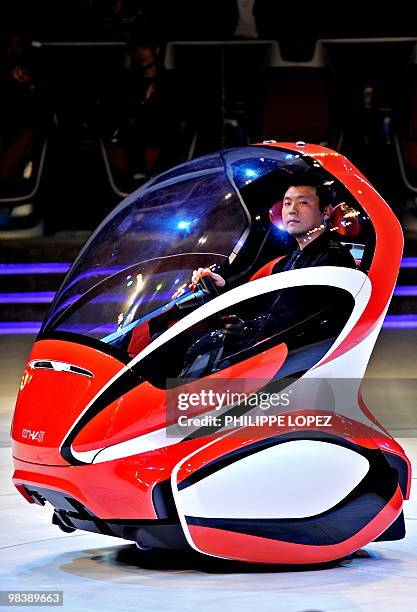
(198, 274)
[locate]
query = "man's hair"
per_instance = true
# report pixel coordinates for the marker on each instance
(324, 189)
(326, 195)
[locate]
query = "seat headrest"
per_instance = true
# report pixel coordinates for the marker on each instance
(345, 220)
(275, 213)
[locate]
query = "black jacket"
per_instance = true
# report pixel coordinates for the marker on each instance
(294, 304)
(325, 250)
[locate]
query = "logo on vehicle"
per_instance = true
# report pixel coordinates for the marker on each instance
(31, 434)
(24, 380)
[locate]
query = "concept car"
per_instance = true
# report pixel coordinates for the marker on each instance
(96, 430)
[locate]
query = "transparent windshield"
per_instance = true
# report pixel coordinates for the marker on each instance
(143, 256)
(220, 210)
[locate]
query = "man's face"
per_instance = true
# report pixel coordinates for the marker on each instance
(301, 211)
(145, 56)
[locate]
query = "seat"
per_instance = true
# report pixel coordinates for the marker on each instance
(297, 101)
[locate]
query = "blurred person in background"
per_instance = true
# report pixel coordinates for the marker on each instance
(118, 19)
(23, 115)
(138, 115)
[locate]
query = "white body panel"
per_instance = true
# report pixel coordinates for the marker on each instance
(294, 479)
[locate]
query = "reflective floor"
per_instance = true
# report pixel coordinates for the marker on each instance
(103, 573)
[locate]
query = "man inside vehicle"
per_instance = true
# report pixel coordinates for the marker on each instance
(306, 209)
(305, 213)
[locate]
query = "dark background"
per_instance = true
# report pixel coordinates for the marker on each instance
(97, 98)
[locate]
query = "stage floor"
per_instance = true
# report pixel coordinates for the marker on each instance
(103, 573)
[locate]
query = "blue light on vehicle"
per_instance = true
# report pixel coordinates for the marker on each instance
(183, 225)
(250, 173)
(278, 230)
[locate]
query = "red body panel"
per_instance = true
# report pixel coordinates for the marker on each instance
(120, 420)
(352, 431)
(51, 401)
(119, 489)
(242, 547)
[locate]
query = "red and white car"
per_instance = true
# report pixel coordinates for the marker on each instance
(94, 432)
